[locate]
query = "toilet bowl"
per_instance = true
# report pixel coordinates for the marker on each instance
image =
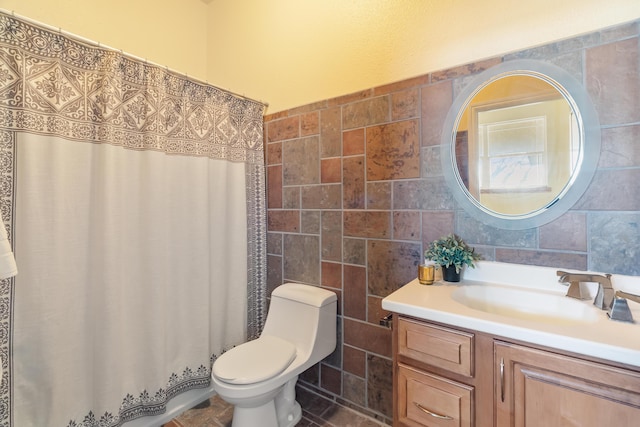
(259, 377)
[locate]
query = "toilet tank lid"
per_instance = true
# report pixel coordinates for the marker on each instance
(306, 294)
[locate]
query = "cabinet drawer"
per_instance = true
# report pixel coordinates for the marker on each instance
(429, 400)
(441, 347)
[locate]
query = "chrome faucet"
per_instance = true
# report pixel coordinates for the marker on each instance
(605, 295)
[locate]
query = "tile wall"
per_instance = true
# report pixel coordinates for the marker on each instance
(356, 192)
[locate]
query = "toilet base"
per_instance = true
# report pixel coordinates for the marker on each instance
(280, 410)
(265, 416)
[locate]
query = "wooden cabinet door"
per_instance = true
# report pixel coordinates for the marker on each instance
(535, 388)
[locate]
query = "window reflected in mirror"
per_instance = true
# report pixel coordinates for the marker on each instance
(517, 144)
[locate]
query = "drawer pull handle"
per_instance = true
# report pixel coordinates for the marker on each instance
(433, 414)
(502, 379)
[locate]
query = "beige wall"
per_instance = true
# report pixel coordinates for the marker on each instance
(168, 32)
(292, 52)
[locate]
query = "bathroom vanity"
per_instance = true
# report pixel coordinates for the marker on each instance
(505, 347)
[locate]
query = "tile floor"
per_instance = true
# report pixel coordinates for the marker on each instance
(317, 411)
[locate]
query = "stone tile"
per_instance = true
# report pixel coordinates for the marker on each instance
(355, 292)
(375, 312)
(393, 151)
(353, 142)
(300, 161)
(275, 116)
(331, 275)
(283, 221)
(351, 97)
(619, 32)
(406, 225)
(465, 70)
(436, 224)
(311, 402)
(302, 258)
(274, 187)
(354, 389)
(355, 361)
(567, 56)
(331, 133)
(391, 265)
(310, 124)
(614, 190)
(287, 128)
(615, 242)
(274, 243)
(308, 108)
(331, 236)
(355, 251)
(476, 233)
(331, 379)
(335, 358)
(291, 197)
(379, 195)
(431, 164)
(614, 89)
(380, 385)
(311, 375)
(353, 182)
(328, 196)
(371, 338)
(376, 224)
(366, 113)
(620, 147)
(423, 194)
(544, 259)
(569, 232)
(405, 104)
(436, 100)
(345, 417)
(402, 85)
(331, 170)
(310, 222)
(274, 153)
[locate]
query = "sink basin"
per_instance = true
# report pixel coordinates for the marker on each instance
(526, 304)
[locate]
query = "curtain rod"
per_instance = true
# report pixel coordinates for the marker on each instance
(129, 55)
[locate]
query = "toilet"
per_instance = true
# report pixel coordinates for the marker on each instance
(259, 377)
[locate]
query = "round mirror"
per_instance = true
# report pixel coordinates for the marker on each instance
(520, 144)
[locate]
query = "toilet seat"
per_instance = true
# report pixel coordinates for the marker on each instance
(254, 361)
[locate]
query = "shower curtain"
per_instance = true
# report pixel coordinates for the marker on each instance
(134, 200)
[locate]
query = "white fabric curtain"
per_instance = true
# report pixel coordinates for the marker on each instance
(136, 210)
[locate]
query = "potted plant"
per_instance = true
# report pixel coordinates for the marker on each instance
(452, 254)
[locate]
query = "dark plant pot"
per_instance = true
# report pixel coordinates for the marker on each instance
(449, 274)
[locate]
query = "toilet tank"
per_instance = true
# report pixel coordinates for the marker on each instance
(305, 316)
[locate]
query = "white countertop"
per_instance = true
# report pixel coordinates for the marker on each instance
(599, 337)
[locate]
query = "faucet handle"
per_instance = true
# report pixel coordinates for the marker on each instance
(620, 308)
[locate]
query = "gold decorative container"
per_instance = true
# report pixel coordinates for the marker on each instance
(426, 274)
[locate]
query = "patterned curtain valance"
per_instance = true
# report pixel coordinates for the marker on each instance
(50, 83)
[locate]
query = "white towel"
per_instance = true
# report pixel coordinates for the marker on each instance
(8, 266)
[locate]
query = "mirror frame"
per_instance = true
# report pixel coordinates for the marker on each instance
(588, 124)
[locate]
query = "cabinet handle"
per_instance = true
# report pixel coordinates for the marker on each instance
(502, 379)
(433, 414)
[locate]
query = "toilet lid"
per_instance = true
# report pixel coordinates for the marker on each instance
(254, 361)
